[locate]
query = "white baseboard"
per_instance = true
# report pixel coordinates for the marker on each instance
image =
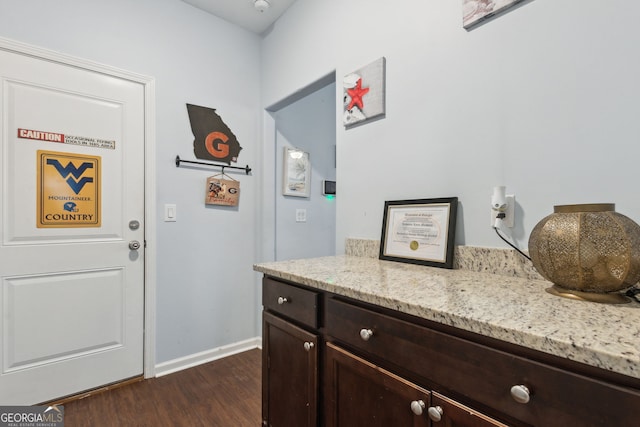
(196, 359)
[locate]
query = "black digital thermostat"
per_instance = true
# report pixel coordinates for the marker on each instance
(328, 188)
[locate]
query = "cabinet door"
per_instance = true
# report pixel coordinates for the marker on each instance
(359, 393)
(289, 375)
(445, 412)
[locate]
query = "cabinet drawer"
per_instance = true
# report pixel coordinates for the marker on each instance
(300, 305)
(481, 374)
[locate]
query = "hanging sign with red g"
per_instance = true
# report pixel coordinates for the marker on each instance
(213, 138)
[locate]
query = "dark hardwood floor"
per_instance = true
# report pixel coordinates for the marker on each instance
(224, 393)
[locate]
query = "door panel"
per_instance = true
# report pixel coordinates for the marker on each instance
(290, 374)
(95, 315)
(360, 393)
(55, 112)
(72, 177)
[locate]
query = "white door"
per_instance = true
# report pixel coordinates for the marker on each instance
(72, 180)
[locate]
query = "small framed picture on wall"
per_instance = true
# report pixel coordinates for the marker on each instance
(296, 179)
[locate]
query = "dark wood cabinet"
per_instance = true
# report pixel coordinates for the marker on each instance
(290, 374)
(371, 366)
(485, 376)
(290, 378)
(359, 393)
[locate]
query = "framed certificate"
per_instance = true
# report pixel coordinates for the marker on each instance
(419, 231)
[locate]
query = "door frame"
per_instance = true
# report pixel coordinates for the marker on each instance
(148, 83)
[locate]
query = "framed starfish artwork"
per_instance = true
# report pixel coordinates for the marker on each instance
(364, 94)
(476, 11)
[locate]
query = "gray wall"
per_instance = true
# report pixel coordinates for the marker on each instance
(206, 290)
(308, 124)
(543, 99)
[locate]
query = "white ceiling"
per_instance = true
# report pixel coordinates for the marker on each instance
(242, 12)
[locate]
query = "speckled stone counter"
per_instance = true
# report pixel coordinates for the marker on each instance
(512, 309)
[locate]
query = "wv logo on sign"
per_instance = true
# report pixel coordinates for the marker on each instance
(73, 174)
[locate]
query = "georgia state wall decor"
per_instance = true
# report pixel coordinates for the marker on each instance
(213, 138)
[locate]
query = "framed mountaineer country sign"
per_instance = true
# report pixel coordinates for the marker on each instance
(68, 190)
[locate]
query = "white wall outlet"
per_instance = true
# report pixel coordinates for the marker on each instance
(170, 213)
(301, 215)
(510, 213)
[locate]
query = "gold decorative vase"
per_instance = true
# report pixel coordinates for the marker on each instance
(589, 252)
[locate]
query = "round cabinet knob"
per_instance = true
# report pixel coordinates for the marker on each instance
(282, 300)
(520, 393)
(417, 406)
(308, 345)
(366, 334)
(435, 413)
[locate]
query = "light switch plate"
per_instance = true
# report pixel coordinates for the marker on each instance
(170, 213)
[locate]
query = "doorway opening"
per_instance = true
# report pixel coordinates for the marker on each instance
(301, 227)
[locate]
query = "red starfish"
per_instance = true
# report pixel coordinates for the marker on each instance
(356, 95)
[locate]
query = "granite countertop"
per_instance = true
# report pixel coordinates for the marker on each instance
(511, 309)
